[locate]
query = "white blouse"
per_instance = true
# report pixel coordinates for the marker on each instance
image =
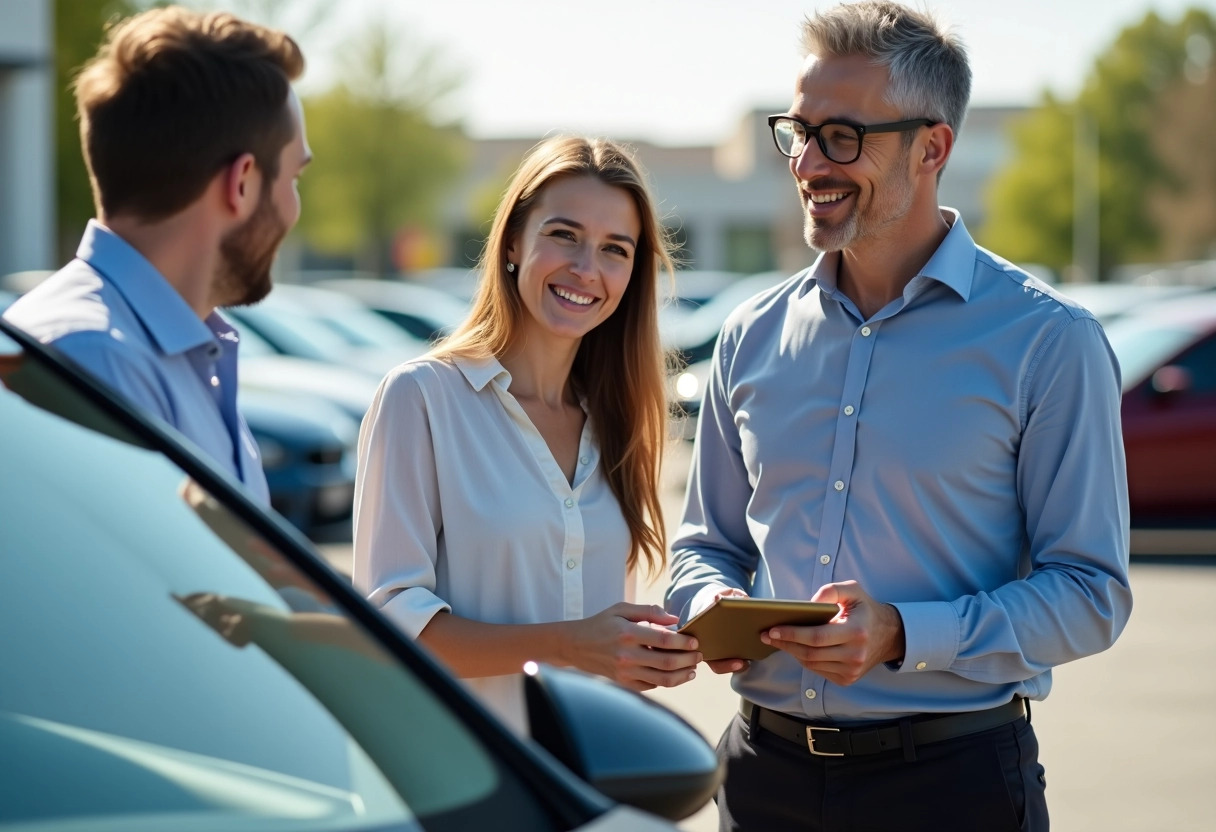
(460, 506)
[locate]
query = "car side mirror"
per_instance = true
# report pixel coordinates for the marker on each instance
(631, 749)
(1171, 380)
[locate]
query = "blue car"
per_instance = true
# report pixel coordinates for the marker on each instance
(308, 453)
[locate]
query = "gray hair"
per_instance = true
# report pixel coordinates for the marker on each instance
(930, 76)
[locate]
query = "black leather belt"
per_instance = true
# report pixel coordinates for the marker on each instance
(829, 741)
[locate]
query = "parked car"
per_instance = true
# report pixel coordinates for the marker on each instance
(318, 325)
(424, 312)
(177, 657)
(264, 369)
(692, 335)
(1110, 301)
(1167, 353)
(308, 453)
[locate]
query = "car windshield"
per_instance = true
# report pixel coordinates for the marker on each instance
(1141, 345)
(168, 666)
(361, 327)
(291, 332)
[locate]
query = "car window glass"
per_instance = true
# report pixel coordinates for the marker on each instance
(1200, 362)
(165, 666)
(291, 332)
(1142, 346)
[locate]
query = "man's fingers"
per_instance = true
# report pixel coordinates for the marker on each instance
(822, 635)
(727, 665)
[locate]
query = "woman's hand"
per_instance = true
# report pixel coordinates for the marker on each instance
(633, 645)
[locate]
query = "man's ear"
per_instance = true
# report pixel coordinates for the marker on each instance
(242, 186)
(936, 148)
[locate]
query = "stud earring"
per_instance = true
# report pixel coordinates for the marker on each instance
(510, 268)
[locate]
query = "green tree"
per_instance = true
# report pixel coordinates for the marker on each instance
(79, 28)
(380, 161)
(1129, 102)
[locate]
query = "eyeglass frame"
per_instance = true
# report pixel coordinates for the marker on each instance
(861, 129)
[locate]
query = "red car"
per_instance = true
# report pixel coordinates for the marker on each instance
(1167, 351)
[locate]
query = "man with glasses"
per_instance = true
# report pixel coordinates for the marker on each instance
(920, 432)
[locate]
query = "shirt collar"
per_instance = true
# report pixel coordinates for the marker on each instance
(481, 371)
(168, 319)
(952, 264)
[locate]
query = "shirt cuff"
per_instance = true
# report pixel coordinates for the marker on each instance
(702, 601)
(412, 609)
(931, 636)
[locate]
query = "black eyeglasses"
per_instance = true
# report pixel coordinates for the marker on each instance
(840, 141)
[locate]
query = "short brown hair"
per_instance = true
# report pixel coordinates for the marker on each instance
(172, 97)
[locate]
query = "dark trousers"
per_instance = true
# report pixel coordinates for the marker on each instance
(985, 782)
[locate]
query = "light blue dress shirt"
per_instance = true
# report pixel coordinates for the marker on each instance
(113, 313)
(959, 454)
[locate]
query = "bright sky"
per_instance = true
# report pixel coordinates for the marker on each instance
(685, 71)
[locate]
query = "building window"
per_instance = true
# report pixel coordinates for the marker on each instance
(749, 249)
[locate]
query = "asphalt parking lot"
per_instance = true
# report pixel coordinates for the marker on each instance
(1128, 737)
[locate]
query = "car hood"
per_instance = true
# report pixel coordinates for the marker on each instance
(351, 391)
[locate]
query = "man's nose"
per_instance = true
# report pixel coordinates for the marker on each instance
(810, 162)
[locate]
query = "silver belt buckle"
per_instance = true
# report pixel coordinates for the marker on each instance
(810, 741)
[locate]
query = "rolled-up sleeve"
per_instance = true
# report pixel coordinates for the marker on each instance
(397, 518)
(1072, 483)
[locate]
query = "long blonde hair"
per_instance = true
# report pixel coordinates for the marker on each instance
(620, 365)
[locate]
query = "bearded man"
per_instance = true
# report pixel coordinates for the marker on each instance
(194, 141)
(921, 433)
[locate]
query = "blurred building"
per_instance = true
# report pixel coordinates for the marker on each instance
(732, 205)
(27, 136)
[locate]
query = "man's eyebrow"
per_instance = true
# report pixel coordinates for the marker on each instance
(625, 238)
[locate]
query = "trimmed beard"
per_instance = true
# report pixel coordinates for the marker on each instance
(892, 199)
(247, 254)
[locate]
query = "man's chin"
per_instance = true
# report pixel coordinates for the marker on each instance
(823, 238)
(255, 292)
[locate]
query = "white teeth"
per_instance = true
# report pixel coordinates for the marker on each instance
(581, 300)
(823, 199)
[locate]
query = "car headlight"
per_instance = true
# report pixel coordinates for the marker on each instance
(273, 453)
(687, 386)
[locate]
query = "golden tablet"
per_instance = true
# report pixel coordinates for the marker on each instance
(731, 627)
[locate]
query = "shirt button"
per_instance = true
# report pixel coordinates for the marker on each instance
(584, 460)
(215, 381)
(569, 503)
(810, 694)
(570, 564)
(921, 665)
(838, 485)
(848, 410)
(865, 332)
(825, 559)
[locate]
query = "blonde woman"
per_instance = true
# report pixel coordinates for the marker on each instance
(508, 481)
